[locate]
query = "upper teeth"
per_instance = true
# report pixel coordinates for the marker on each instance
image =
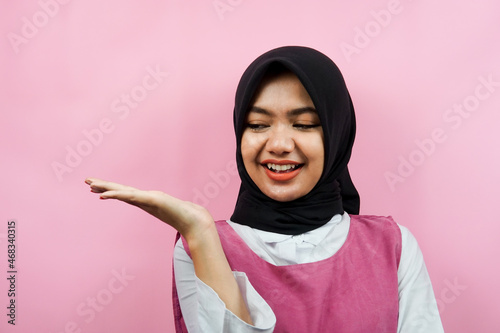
(281, 167)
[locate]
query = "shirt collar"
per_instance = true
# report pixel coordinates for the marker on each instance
(313, 237)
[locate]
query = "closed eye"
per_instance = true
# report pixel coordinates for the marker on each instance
(256, 126)
(304, 126)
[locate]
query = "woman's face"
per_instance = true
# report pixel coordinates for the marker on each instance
(282, 144)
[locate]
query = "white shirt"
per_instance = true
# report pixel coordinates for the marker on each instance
(204, 311)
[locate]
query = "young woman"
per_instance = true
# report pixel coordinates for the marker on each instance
(295, 256)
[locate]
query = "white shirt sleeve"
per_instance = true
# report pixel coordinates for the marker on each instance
(418, 311)
(205, 312)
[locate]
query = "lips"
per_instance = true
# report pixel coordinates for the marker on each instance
(281, 170)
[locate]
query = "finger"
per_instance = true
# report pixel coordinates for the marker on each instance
(88, 181)
(149, 201)
(133, 197)
(100, 186)
(141, 199)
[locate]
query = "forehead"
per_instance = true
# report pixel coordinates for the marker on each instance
(282, 91)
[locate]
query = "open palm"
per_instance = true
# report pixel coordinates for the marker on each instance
(186, 217)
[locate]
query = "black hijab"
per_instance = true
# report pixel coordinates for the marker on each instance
(334, 193)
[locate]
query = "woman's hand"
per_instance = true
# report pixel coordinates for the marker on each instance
(189, 219)
(198, 228)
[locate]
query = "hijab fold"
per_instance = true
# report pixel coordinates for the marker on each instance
(334, 193)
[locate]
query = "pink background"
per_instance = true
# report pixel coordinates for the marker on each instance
(65, 69)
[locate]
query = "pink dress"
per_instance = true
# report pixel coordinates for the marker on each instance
(355, 290)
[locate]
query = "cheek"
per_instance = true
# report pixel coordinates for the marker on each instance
(249, 148)
(316, 155)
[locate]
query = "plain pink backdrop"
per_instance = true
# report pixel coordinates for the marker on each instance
(67, 68)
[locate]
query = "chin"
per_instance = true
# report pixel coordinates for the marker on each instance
(284, 197)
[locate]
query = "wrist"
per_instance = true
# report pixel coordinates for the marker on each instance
(201, 234)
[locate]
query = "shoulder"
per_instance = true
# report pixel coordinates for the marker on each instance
(374, 223)
(388, 222)
(411, 255)
(377, 232)
(372, 218)
(386, 229)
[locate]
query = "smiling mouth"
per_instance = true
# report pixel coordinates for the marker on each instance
(282, 172)
(282, 168)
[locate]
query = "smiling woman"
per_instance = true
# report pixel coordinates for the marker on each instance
(295, 255)
(282, 144)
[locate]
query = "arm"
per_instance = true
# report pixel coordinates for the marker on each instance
(418, 310)
(204, 311)
(197, 226)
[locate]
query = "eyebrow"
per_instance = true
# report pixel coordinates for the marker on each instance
(292, 113)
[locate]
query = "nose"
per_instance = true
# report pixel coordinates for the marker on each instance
(280, 141)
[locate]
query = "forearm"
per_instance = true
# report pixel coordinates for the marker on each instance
(211, 267)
